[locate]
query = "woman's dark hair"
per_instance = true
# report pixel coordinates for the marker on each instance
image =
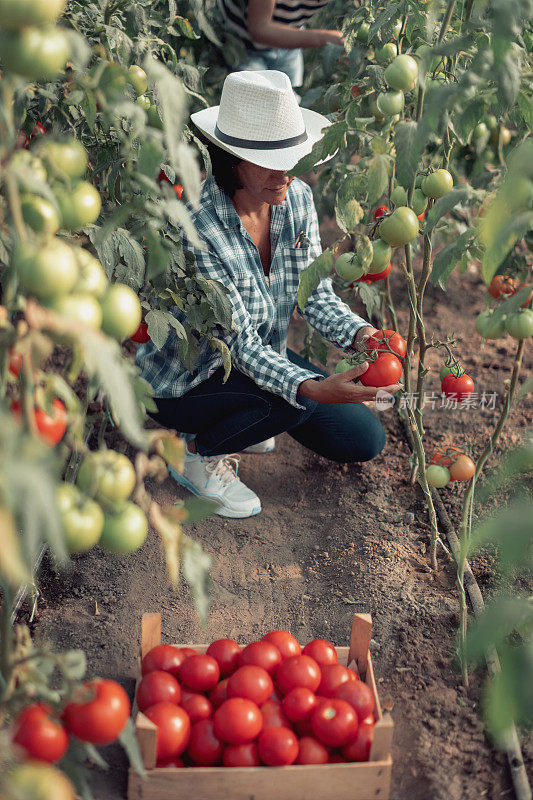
(224, 167)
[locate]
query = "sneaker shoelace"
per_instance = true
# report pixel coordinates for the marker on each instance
(224, 467)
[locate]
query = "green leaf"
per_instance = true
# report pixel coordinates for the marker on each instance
(171, 101)
(512, 532)
(498, 620)
(447, 258)
(13, 568)
(186, 165)
(150, 157)
(445, 204)
(371, 298)
(185, 28)
(128, 740)
(195, 566)
(158, 255)
(74, 664)
(365, 251)
(197, 508)
(180, 216)
(132, 271)
(348, 212)
(508, 79)
(334, 139)
(189, 351)
(312, 275)
(92, 754)
(525, 104)
(503, 241)
(408, 152)
(378, 176)
(222, 347)
(158, 326)
(218, 298)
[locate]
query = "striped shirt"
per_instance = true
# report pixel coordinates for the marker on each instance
(262, 306)
(289, 12)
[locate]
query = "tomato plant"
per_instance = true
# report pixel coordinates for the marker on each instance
(50, 426)
(125, 528)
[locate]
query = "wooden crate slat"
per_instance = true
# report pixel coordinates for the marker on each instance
(150, 632)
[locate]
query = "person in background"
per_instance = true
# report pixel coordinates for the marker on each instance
(259, 231)
(273, 33)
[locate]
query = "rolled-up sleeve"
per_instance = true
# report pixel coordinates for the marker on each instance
(249, 354)
(324, 310)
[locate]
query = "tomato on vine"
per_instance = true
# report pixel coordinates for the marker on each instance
(386, 370)
(501, 285)
(457, 387)
(51, 427)
(386, 340)
(102, 716)
(380, 212)
(40, 733)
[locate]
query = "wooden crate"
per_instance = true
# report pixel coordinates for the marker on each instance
(354, 781)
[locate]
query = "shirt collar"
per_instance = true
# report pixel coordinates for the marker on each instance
(226, 210)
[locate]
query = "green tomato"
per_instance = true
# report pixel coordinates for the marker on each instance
(399, 196)
(419, 202)
(381, 255)
(343, 366)
(93, 279)
(390, 103)
(82, 307)
(30, 164)
(80, 207)
(125, 529)
(64, 157)
(489, 325)
(445, 371)
(144, 102)
(492, 122)
(520, 324)
(39, 54)
(374, 110)
(154, 120)
(137, 78)
(437, 183)
(362, 32)
(82, 520)
(121, 311)
(437, 476)
(401, 227)
(107, 475)
(39, 214)
(480, 132)
(46, 270)
(402, 74)
(348, 268)
(20, 13)
(386, 53)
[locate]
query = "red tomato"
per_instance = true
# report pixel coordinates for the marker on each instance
(382, 340)
(15, 363)
(334, 723)
(219, 694)
(51, 427)
(251, 682)
(241, 755)
(40, 734)
(273, 715)
(460, 388)
(38, 130)
(163, 177)
(421, 216)
(262, 654)
(385, 371)
(226, 653)
(372, 277)
(358, 695)
(200, 673)
(501, 285)
(157, 687)
(446, 455)
(176, 763)
(332, 677)
(336, 758)
(322, 651)
(285, 642)
(163, 657)
(358, 749)
(277, 747)
(205, 748)
(197, 706)
(311, 751)
(141, 334)
(178, 188)
(381, 211)
(237, 721)
(189, 651)
(102, 718)
(299, 704)
(173, 730)
(298, 671)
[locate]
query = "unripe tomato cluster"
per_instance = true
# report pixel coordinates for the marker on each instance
(98, 509)
(492, 324)
(270, 703)
(40, 734)
(30, 43)
(449, 464)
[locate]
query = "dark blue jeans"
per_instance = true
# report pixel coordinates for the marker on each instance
(227, 417)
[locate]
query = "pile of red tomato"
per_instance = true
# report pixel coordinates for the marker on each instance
(270, 703)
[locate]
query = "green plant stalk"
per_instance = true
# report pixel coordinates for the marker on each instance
(421, 331)
(6, 637)
(390, 306)
(446, 19)
(468, 500)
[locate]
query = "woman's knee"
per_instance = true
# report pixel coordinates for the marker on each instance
(367, 445)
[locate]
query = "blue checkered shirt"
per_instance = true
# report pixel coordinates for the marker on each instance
(262, 306)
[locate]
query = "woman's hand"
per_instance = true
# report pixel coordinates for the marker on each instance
(341, 388)
(331, 37)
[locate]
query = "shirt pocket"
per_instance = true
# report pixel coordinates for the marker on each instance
(295, 259)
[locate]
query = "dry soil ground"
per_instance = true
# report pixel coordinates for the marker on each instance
(330, 540)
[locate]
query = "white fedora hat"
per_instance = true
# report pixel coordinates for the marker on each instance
(259, 120)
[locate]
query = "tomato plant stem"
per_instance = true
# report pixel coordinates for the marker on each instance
(6, 634)
(468, 499)
(446, 19)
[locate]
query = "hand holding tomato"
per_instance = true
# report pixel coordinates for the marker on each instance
(343, 388)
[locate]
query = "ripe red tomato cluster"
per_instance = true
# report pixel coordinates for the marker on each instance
(270, 703)
(98, 717)
(386, 370)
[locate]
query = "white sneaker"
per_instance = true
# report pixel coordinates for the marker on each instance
(262, 447)
(215, 477)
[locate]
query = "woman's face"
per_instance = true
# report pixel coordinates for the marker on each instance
(267, 185)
